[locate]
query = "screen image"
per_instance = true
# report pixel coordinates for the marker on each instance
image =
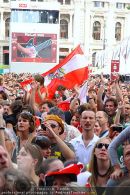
(34, 47)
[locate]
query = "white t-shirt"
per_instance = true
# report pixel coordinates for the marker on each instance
(82, 152)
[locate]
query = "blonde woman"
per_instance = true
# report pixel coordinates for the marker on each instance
(100, 165)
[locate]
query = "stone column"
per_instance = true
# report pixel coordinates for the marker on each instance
(87, 24)
(110, 26)
(126, 26)
(77, 4)
(1, 25)
(70, 27)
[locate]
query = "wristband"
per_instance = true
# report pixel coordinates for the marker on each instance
(2, 128)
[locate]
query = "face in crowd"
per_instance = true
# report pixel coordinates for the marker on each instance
(60, 181)
(55, 126)
(127, 109)
(10, 142)
(101, 149)
(110, 108)
(25, 160)
(4, 160)
(75, 121)
(74, 105)
(44, 143)
(102, 118)
(25, 122)
(127, 156)
(44, 108)
(87, 120)
(29, 158)
(97, 128)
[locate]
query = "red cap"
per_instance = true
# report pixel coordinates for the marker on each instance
(74, 169)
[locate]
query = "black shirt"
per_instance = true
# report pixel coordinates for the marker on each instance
(56, 152)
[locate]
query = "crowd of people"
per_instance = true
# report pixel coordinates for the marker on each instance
(69, 144)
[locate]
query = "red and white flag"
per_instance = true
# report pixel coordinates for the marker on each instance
(26, 84)
(69, 72)
(83, 92)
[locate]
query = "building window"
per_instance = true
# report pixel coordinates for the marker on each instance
(96, 30)
(6, 1)
(93, 58)
(6, 55)
(98, 4)
(60, 1)
(7, 23)
(118, 31)
(120, 5)
(63, 29)
(67, 2)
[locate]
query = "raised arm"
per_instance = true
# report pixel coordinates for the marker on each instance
(100, 93)
(99, 98)
(65, 150)
(120, 139)
(2, 137)
(43, 95)
(118, 113)
(32, 97)
(118, 92)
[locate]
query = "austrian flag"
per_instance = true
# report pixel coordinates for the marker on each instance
(71, 71)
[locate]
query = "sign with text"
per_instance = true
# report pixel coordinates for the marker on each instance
(115, 65)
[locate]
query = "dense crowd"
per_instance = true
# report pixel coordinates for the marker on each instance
(74, 143)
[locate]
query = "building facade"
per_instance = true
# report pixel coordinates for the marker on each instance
(96, 25)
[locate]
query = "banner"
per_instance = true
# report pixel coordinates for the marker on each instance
(114, 69)
(71, 71)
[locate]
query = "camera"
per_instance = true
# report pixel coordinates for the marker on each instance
(43, 126)
(117, 128)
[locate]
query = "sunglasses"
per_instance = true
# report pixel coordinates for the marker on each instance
(100, 145)
(44, 127)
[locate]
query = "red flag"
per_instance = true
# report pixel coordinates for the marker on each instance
(71, 71)
(26, 84)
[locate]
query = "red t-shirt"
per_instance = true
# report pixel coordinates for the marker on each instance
(37, 98)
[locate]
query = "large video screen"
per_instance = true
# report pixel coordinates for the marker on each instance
(34, 47)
